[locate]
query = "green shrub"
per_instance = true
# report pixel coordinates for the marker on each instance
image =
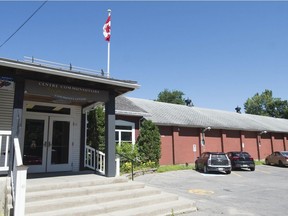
(149, 142)
(127, 151)
(126, 167)
(147, 165)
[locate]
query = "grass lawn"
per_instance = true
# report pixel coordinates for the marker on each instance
(168, 168)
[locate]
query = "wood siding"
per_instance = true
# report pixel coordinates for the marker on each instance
(6, 109)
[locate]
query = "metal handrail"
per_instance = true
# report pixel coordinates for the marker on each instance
(69, 67)
(132, 163)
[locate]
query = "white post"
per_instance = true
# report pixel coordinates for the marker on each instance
(20, 188)
(108, 46)
(117, 160)
(20, 176)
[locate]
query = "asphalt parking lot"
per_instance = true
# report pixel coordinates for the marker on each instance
(263, 192)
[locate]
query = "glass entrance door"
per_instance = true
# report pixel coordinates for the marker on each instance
(59, 144)
(47, 143)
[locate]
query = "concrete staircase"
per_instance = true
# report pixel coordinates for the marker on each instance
(96, 195)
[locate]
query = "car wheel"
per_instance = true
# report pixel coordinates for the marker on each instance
(205, 170)
(266, 162)
(280, 163)
(252, 168)
(228, 172)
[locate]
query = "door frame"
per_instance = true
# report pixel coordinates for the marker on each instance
(59, 167)
(42, 167)
(48, 117)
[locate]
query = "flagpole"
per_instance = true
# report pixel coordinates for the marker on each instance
(108, 53)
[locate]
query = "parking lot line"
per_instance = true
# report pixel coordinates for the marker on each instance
(201, 192)
(236, 174)
(263, 171)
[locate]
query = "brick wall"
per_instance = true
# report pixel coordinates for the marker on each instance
(177, 142)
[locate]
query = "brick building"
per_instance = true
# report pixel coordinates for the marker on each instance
(186, 131)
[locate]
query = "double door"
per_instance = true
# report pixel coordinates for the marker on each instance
(47, 143)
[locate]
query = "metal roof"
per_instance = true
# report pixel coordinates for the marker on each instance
(180, 115)
(124, 106)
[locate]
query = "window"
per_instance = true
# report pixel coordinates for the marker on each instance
(124, 131)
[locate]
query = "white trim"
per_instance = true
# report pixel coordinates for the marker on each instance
(82, 76)
(126, 123)
(91, 107)
(74, 142)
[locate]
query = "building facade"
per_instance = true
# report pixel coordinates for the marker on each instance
(186, 132)
(46, 108)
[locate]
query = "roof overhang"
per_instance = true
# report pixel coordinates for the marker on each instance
(33, 71)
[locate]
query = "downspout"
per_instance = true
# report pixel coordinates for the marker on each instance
(173, 146)
(285, 142)
(241, 141)
(222, 140)
(200, 141)
(272, 142)
(258, 145)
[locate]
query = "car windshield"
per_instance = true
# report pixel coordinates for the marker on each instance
(215, 156)
(285, 153)
(242, 154)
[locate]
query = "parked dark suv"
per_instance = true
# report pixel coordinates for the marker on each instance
(241, 159)
(213, 161)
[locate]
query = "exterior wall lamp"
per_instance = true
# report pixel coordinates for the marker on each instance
(205, 129)
(203, 135)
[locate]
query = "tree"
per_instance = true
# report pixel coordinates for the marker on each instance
(175, 97)
(100, 128)
(149, 142)
(96, 129)
(266, 105)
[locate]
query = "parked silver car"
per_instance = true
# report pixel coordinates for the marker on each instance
(279, 158)
(213, 161)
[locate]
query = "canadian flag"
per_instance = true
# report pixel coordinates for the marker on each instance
(107, 29)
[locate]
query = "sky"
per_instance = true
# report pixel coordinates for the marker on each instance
(218, 53)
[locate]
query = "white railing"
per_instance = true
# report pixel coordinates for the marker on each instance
(4, 149)
(90, 159)
(100, 159)
(18, 181)
(95, 160)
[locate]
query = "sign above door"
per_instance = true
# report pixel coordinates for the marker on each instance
(65, 94)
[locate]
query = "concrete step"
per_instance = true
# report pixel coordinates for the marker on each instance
(178, 207)
(56, 183)
(80, 191)
(92, 199)
(96, 195)
(158, 201)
